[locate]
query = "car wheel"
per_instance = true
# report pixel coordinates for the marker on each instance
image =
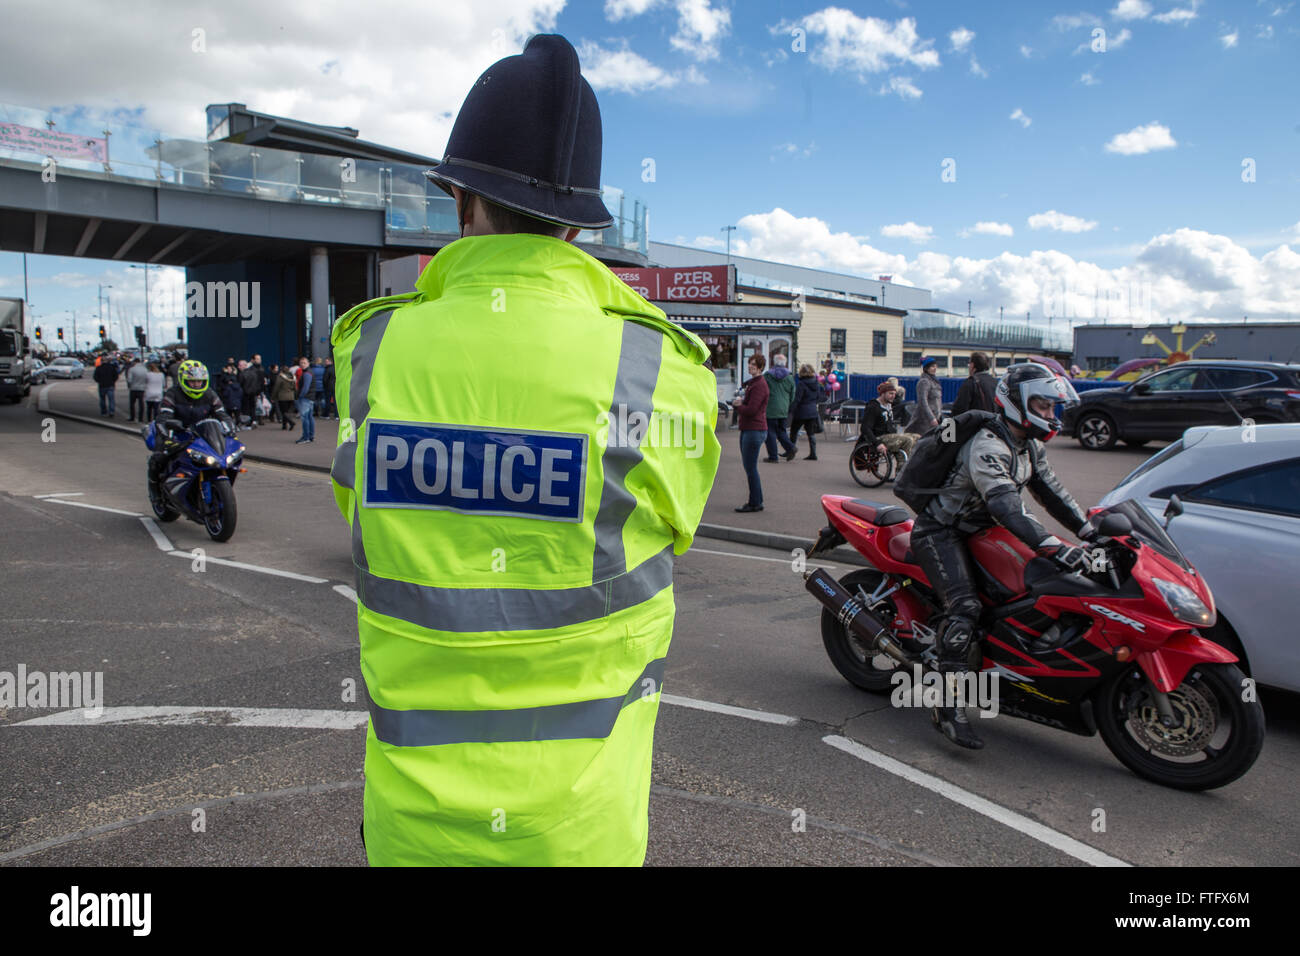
(1096, 432)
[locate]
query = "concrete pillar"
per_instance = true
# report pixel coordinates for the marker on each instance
(320, 300)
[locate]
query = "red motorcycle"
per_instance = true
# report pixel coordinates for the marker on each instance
(1114, 647)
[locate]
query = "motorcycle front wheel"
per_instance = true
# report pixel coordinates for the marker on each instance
(221, 524)
(1215, 739)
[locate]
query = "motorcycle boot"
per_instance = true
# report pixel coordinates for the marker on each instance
(955, 652)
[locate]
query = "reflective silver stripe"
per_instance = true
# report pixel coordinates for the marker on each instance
(584, 720)
(639, 358)
(343, 470)
(474, 610)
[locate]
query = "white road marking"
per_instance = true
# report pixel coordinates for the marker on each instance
(62, 494)
(346, 591)
(155, 532)
(80, 504)
(209, 716)
(755, 557)
(252, 567)
(1031, 828)
(760, 715)
(42, 400)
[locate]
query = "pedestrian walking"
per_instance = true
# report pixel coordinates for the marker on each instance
(137, 379)
(929, 399)
(306, 404)
(753, 429)
(153, 390)
(979, 391)
(250, 383)
(283, 394)
(318, 387)
(803, 410)
(106, 373)
(781, 387)
(514, 542)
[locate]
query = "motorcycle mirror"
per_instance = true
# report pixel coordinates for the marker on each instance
(1114, 525)
(1172, 510)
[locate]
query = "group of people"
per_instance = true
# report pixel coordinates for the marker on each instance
(775, 405)
(144, 383)
(255, 393)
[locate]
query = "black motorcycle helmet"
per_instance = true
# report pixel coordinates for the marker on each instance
(1031, 380)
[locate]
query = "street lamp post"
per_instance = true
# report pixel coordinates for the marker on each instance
(108, 329)
(145, 267)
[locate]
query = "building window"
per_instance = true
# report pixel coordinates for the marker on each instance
(1098, 363)
(839, 339)
(960, 362)
(1003, 361)
(878, 343)
(911, 360)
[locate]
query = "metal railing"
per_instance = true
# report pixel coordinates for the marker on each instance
(411, 203)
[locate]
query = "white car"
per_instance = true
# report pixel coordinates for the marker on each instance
(65, 368)
(1240, 528)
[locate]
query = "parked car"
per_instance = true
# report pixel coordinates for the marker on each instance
(1166, 403)
(38, 372)
(1239, 488)
(65, 368)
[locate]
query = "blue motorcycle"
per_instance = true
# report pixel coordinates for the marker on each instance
(199, 483)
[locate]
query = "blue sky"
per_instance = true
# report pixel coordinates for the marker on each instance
(1087, 146)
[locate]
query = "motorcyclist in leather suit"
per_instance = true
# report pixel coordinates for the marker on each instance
(183, 405)
(984, 489)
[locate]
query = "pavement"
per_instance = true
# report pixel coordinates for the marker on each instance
(237, 709)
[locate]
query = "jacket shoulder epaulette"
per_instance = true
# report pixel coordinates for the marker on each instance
(687, 342)
(359, 313)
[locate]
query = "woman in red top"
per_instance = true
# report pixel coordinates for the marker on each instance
(753, 429)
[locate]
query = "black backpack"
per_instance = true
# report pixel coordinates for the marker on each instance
(933, 457)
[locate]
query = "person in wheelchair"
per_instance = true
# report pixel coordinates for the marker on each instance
(879, 430)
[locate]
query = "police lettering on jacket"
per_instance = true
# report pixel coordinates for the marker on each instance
(529, 474)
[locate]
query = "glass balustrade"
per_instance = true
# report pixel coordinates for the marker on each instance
(411, 203)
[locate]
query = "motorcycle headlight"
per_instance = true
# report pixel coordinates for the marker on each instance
(202, 458)
(1184, 603)
(235, 456)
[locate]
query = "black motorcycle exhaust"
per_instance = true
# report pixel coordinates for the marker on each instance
(853, 614)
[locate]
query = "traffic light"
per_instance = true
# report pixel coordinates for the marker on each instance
(102, 335)
(38, 333)
(180, 333)
(139, 335)
(60, 335)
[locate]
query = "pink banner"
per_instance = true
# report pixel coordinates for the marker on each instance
(50, 142)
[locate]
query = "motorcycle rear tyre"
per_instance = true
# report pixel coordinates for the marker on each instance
(845, 651)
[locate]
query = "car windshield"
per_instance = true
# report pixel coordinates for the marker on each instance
(1160, 457)
(1146, 529)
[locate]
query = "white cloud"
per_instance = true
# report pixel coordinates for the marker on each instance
(1131, 10)
(960, 38)
(1265, 32)
(700, 242)
(1187, 274)
(700, 27)
(793, 151)
(1019, 114)
(863, 45)
(1089, 80)
(976, 69)
(1026, 51)
(621, 70)
(1119, 39)
(1229, 40)
(399, 87)
(909, 230)
(986, 228)
(616, 10)
(901, 85)
(1183, 15)
(1141, 139)
(1060, 222)
(1295, 232)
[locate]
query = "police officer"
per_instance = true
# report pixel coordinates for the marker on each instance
(984, 488)
(514, 535)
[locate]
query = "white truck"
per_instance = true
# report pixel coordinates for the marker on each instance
(15, 351)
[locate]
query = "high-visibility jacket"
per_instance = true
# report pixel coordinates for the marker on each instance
(526, 443)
